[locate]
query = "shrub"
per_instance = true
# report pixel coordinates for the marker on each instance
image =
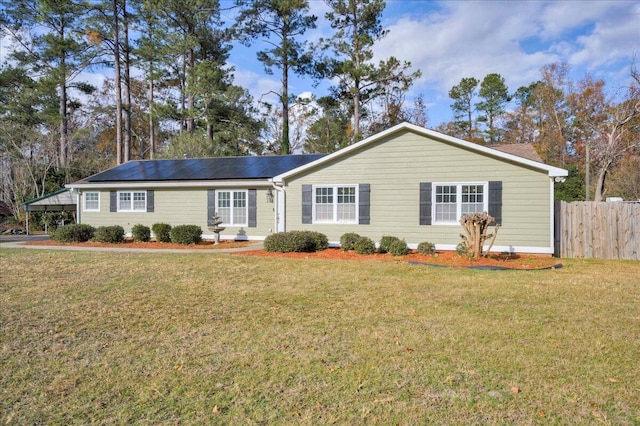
(109, 234)
(461, 249)
(74, 233)
(398, 248)
(364, 245)
(140, 233)
(386, 242)
(348, 240)
(320, 241)
(296, 241)
(186, 234)
(426, 247)
(162, 232)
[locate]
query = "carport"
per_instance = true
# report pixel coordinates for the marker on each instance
(61, 200)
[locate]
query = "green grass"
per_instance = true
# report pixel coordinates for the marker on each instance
(207, 338)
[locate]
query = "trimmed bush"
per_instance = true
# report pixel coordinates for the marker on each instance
(426, 247)
(162, 232)
(74, 233)
(296, 241)
(140, 232)
(348, 240)
(320, 241)
(461, 249)
(109, 234)
(386, 242)
(364, 245)
(186, 234)
(398, 248)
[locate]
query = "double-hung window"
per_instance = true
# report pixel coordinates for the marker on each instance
(232, 207)
(335, 204)
(451, 201)
(91, 201)
(132, 201)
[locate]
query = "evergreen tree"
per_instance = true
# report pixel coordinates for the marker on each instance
(357, 25)
(463, 94)
(495, 95)
(50, 43)
(281, 23)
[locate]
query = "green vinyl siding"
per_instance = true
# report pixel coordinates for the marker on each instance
(395, 166)
(181, 206)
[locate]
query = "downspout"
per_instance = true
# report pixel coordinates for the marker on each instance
(280, 192)
(77, 193)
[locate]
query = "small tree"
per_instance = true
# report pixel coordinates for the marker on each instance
(476, 226)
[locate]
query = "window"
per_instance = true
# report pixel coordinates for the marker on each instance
(335, 204)
(92, 201)
(132, 201)
(451, 201)
(232, 207)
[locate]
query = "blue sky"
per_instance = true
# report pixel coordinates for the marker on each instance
(449, 40)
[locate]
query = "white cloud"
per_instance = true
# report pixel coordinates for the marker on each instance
(515, 39)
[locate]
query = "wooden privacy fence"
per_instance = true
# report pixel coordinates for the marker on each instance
(597, 230)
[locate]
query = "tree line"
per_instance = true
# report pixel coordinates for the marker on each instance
(172, 92)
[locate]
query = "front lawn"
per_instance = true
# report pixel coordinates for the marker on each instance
(206, 338)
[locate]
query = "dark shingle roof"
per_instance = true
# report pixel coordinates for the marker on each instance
(524, 150)
(203, 168)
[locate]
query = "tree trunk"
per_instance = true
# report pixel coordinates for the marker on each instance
(152, 128)
(118, 81)
(284, 98)
(127, 85)
(602, 177)
(64, 123)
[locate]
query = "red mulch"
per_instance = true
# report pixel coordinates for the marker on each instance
(445, 258)
(148, 245)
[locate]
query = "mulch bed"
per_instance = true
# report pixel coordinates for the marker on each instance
(441, 259)
(205, 245)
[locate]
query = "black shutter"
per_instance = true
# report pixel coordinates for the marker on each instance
(150, 201)
(307, 204)
(252, 208)
(495, 201)
(425, 203)
(364, 201)
(211, 206)
(113, 201)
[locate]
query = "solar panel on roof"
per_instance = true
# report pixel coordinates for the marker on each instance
(204, 168)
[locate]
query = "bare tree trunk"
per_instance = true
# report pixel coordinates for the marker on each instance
(152, 127)
(64, 123)
(284, 146)
(602, 177)
(118, 81)
(127, 85)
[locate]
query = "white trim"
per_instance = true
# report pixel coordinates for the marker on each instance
(84, 201)
(494, 249)
(552, 171)
(498, 249)
(335, 187)
(232, 207)
(458, 185)
(173, 184)
(552, 221)
(132, 209)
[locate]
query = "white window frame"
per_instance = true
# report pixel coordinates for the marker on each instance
(84, 201)
(458, 185)
(232, 208)
(334, 216)
(132, 196)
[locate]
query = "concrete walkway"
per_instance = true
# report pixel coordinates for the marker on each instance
(18, 241)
